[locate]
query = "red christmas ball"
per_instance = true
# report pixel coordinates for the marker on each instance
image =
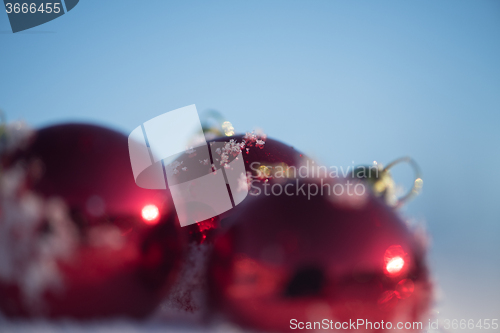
(291, 259)
(262, 156)
(78, 237)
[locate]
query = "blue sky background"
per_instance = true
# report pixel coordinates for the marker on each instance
(341, 80)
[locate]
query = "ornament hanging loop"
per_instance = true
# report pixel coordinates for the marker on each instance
(417, 183)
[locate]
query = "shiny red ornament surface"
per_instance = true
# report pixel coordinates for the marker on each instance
(262, 156)
(330, 257)
(80, 238)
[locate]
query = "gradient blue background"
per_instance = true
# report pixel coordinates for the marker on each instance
(341, 80)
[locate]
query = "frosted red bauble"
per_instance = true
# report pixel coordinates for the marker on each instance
(261, 156)
(79, 238)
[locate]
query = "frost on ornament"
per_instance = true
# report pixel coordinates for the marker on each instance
(260, 143)
(255, 137)
(244, 181)
(26, 258)
(233, 148)
(230, 149)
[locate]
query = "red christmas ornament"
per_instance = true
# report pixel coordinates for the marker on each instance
(335, 257)
(262, 157)
(78, 237)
